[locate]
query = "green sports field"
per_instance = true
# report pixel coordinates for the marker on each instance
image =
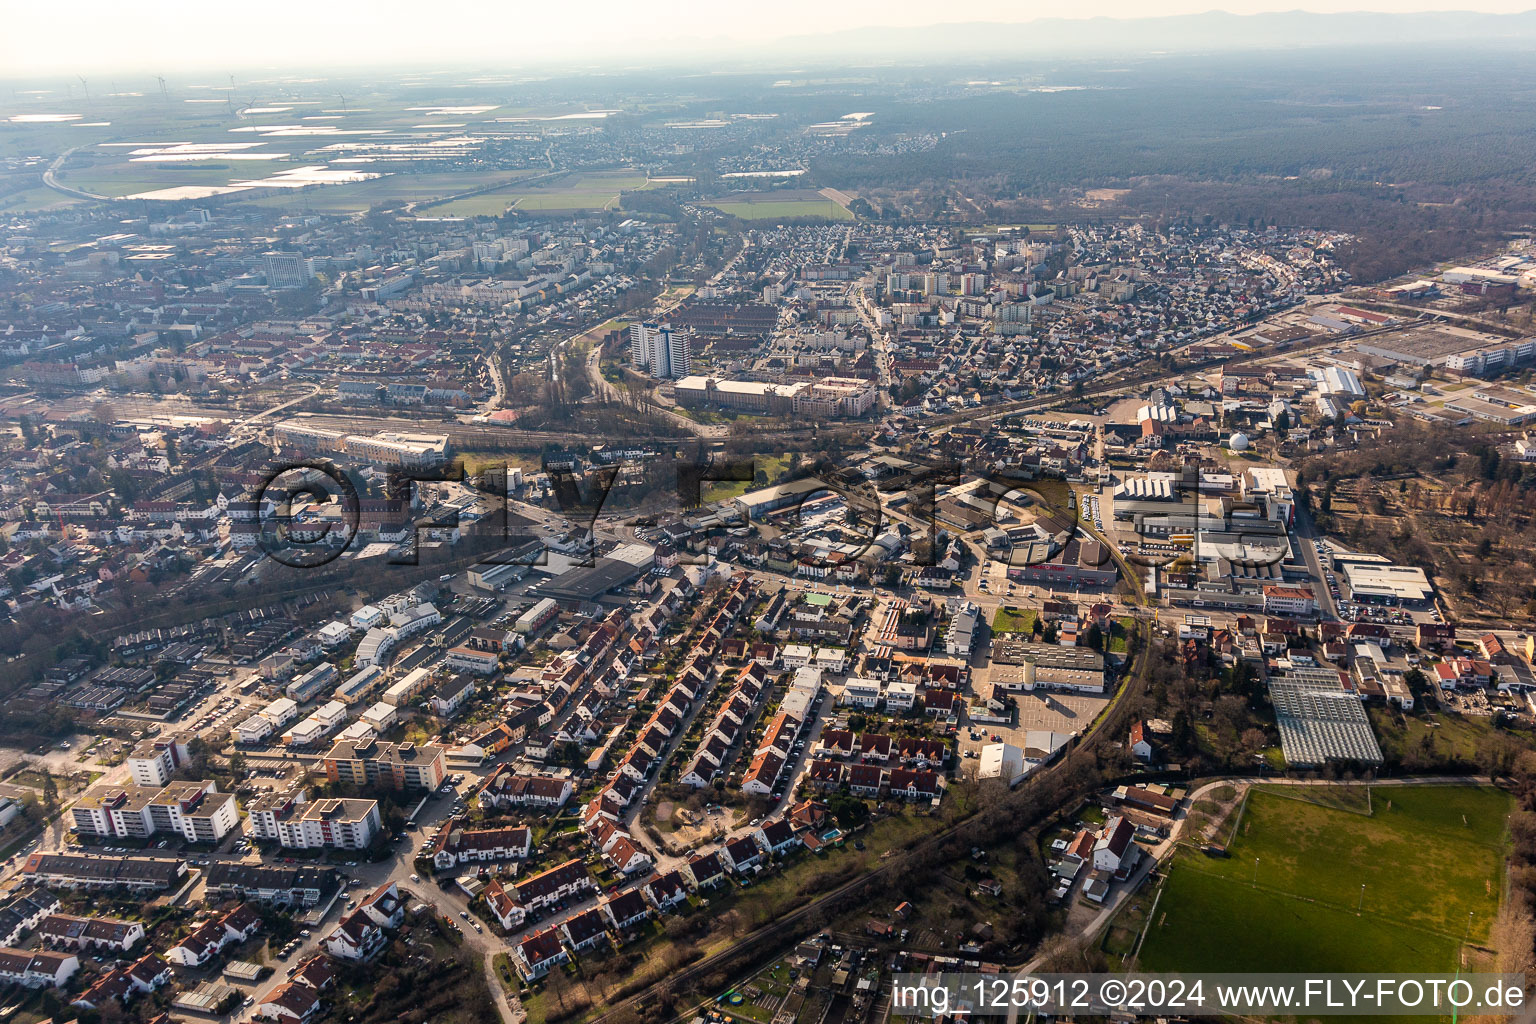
(1427, 856)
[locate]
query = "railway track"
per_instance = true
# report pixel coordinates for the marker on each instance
(781, 931)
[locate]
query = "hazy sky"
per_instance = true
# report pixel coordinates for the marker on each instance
(93, 36)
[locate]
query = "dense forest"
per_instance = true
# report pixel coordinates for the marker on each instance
(1422, 156)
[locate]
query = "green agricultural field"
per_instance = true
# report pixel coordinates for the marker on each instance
(392, 188)
(36, 200)
(594, 191)
(770, 209)
(1427, 856)
(126, 179)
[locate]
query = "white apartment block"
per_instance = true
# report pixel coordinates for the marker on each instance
(660, 351)
(195, 810)
(342, 824)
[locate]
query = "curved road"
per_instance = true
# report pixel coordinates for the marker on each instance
(50, 179)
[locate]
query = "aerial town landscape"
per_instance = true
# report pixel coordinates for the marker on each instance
(510, 543)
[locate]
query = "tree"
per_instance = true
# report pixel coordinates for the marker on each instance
(50, 793)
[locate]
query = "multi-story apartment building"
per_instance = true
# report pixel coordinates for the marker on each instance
(386, 765)
(154, 761)
(659, 350)
(195, 810)
(266, 811)
(339, 823)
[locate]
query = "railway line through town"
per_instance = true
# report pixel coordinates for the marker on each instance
(766, 941)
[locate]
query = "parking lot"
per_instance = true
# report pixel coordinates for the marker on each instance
(1062, 712)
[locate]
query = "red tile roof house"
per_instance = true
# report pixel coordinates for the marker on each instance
(1141, 742)
(318, 972)
(706, 763)
(875, 746)
(627, 857)
(146, 974)
(200, 945)
(558, 883)
(837, 743)
(762, 773)
(461, 846)
(909, 785)
(865, 779)
(1081, 847)
(289, 1003)
(917, 748)
(1114, 851)
(205, 941)
(384, 906)
(355, 937)
(503, 907)
(507, 788)
(824, 774)
(68, 931)
(807, 814)
(537, 953)
(111, 987)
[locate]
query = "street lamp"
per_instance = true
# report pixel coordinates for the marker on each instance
(1255, 872)
(1359, 906)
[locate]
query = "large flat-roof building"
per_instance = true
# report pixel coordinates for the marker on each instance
(755, 504)
(1025, 665)
(588, 583)
(1388, 584)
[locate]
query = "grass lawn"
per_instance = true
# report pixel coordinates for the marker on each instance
(1447, 733)
(398, 187)
(598, 190)
(721, 491)
(770, 209)
(1014, 620)
(1427, 855)
(772, 465)
(1120, 631)
(1356, 799)
(1205, 922)
(36, 200)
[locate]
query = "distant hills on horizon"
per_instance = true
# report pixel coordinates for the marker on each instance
(1207, 31)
